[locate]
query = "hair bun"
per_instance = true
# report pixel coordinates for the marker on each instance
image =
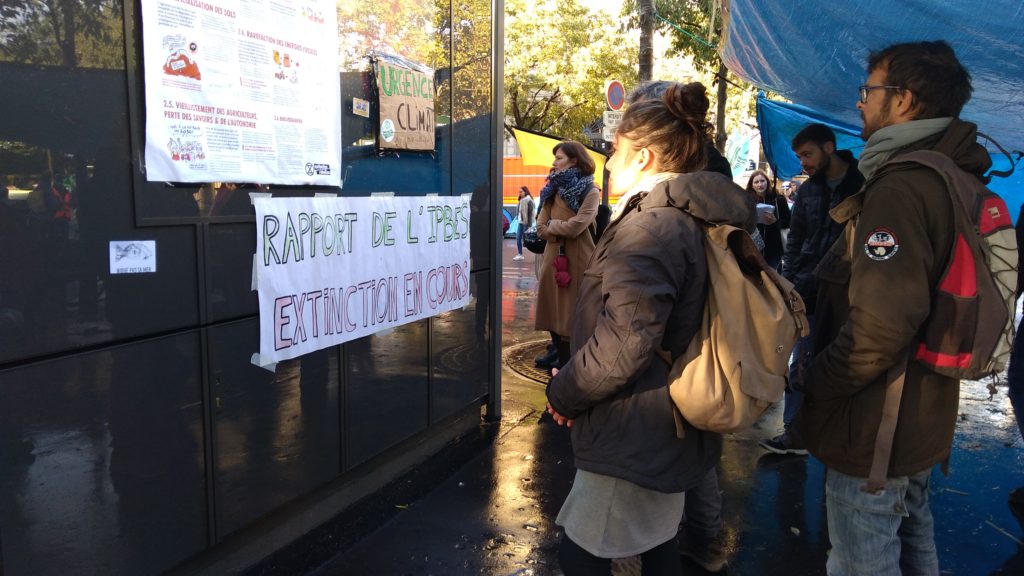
(688, 102)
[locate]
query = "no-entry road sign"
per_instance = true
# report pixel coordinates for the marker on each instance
(614, 94)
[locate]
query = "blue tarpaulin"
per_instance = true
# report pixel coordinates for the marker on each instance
(814, 54)
(780, 121)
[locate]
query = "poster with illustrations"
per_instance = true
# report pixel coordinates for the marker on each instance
(406, 91)
(242, 91)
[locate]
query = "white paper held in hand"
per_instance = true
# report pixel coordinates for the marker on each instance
(765, 209)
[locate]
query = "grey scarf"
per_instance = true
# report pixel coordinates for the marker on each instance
(885, 142)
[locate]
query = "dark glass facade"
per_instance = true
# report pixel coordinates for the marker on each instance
(135, 434)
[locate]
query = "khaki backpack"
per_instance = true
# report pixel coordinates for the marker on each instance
(736, 365)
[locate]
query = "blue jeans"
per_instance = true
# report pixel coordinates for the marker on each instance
(889, 534)
(519, 238)
(801, 360)
(1015, 378)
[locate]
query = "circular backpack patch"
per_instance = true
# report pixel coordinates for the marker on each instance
(881, 244)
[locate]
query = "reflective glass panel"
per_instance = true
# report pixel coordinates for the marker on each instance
(66, 208)
(385, 390)
(277, 432)
(460, 341)
(102, 459)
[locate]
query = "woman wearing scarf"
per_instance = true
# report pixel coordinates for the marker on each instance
(568, 208)
(643, 295)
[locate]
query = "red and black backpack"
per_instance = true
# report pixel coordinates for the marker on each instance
(969, 332)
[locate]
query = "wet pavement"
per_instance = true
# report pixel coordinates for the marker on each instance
(495, 513)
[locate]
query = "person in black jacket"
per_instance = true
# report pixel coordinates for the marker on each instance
(833, 176)
(772, 216)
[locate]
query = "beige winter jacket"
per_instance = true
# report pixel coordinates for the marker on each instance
(560, 226)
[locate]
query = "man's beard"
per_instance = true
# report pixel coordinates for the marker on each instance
(883, 120)
(866, 131)
(823, 167)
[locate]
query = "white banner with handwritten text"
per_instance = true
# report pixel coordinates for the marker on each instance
(330, 270)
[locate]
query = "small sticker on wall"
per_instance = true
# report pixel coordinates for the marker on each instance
(387, 130)
(361, 107)
(132, 256)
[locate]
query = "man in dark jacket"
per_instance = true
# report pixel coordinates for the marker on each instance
(833, 177)
(875, 295)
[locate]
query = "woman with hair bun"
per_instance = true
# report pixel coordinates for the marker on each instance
(641, 299)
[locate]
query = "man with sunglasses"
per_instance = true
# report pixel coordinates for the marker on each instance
(875, 294)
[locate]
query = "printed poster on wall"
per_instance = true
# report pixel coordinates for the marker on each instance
(330, 270)
(406, 92)
(242, 91)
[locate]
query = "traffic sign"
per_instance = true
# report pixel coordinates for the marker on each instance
(614, 94)
(612, 118)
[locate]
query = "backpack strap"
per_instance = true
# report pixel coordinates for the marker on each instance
(962, 203)
(886, 429)
(894, 380)
(666, 356)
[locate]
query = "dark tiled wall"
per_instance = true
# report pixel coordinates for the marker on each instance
(134, 431)
(103, 468)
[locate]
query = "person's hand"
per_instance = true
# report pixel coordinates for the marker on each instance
(766, 217)
(558, 418)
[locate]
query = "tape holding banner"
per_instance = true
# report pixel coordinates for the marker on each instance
(254, 195)
(263, 362)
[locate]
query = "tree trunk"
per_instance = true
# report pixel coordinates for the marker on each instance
(720, 135)
(68, 47)
(646, 40)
